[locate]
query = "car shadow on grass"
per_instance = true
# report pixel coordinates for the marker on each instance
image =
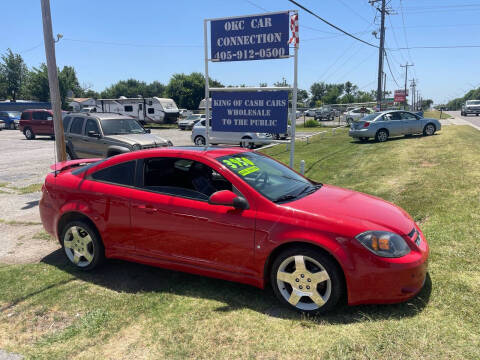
(396, 138)
(128, 277)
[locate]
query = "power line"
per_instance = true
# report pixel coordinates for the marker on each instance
(353, 11)
(405, 35)
(391, 72)
(436, 47)
(128, 44)
(330, 24)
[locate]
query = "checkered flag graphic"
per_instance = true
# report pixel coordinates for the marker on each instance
(294, 28)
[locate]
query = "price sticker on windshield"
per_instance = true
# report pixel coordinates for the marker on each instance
(241, 165)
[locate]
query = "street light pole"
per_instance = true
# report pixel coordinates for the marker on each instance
(406, 79)
(53, 81)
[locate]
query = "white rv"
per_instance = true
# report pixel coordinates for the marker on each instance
(146, 110)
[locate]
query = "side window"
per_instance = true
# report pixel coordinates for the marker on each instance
(26, 115)
(121, 174)
(182, 177)
(66, 122)
(151, 110)
(40, 115)
(395, 116)
(128, 108)
(91, 126)
(77, 125)
(407, 116)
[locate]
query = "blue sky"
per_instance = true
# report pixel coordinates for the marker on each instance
(111, 40)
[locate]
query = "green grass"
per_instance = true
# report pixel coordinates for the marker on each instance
(43, 235)
(28, 189)
(436, 114)
(124, 310)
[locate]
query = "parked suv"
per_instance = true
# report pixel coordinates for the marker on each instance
(106, 134)
(324, 113)
(35, 122)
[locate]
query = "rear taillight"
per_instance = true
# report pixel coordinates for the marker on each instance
(366, 123)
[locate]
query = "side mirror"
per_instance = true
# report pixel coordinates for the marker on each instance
(92, 133)
(148, 131)
(49, 118)
(228, 198)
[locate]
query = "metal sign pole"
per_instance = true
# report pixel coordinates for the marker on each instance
(294, 106)
(207, 91)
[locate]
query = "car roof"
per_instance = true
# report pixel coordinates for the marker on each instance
(101, 115)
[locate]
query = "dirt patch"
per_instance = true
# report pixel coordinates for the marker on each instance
(427, 164)
(22, 244)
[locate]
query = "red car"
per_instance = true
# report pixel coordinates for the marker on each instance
(36, 122)
(236, 215)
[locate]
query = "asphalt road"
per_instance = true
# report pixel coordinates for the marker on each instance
(475, 120)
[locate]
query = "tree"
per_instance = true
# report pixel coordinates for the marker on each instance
(37, 87)
(155, 88)
(318, 91)
(13, 73)
(426, 104)
(188, 90)
(130, 88)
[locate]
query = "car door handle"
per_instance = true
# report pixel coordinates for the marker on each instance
(146, 208)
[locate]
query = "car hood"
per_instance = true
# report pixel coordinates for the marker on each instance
(142, 139)
(342, 205)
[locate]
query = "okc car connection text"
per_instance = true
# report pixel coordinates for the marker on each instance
(250, 38)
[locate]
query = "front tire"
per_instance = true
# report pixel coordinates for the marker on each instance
(82, 245)
(381, 135)
(306, 280)
(29, 134)
(429, 130)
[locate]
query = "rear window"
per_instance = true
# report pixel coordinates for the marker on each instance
(121, 174)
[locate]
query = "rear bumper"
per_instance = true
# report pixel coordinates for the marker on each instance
(358, 133)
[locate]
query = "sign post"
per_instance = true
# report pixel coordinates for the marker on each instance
(244, 38)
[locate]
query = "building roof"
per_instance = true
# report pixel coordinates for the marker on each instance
(79, 100)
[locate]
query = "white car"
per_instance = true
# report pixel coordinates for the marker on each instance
(357, 113)
(310, 112)
(232, 138)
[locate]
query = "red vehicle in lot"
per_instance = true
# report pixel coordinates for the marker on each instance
(236, 215)
(36, 122)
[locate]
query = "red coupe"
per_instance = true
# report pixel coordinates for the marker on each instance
(236, 215)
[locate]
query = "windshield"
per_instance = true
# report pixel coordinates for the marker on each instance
(270, 178)
(193, 117)
(121, 126)
(473, 102)
(14, 113)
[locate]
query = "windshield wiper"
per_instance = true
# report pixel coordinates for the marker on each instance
(285, 198)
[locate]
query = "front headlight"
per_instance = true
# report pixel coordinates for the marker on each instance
(384, 243)
(136, 147)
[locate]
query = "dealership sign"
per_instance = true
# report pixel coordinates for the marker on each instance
(247, 111)
(250, 38)
(400, 95)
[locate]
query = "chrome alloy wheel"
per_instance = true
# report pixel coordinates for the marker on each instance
(304, 282)
(78, 246)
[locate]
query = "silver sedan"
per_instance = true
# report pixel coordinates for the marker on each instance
(382, 125)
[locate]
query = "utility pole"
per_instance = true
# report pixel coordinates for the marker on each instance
(53, 81)
(406, 79)
(381, 48)
(413, 85)
(384, 87)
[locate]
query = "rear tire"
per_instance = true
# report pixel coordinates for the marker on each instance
(307, 280)
(381, 135)
(29, 134)
(69, 154)
(199, 141)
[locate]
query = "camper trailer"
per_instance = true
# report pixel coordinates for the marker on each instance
(146, 110)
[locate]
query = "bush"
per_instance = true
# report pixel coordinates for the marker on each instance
(311, 123)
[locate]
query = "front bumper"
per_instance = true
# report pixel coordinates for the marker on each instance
(471, 111)
(2, 125)
(389, 280)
